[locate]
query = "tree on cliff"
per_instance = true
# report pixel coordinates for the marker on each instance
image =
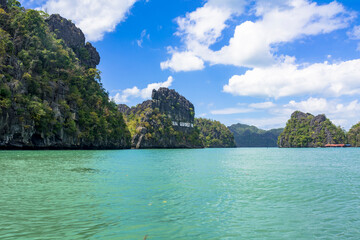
(251, 136)
(214, 134)
(353, 136)
(48, 96)
(165, 121)
(306, 130)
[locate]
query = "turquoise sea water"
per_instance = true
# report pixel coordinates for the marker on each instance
(181, 194)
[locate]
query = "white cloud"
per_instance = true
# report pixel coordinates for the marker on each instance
(228, 111)
(184, 61)
(311, 105)
(145, 93)
(340, 113)
(254, 42)
(288, 79)
(204, 26)
(199, 30)
(93, 17)
(143, 35)
(355, 33)
(263, 105)
(343, 113)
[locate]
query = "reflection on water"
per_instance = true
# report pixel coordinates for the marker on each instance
(180, 194)
(84, 170)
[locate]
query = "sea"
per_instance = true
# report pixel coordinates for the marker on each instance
(240, 193)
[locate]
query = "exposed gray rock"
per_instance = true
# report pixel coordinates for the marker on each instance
(75, 39)
(177, 107)
(94, 57)
(165, 121)
(123, 108)
(24, 93)
(67, 31)
(306, 130)
(318, 119)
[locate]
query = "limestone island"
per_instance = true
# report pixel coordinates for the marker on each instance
(51, 95)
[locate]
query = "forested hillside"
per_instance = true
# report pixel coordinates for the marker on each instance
(214, 134)
(306, 130)
(251, 136)
(51, 95)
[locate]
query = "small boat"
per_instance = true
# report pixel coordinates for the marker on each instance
(337, 145)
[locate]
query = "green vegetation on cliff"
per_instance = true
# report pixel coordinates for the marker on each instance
(353, 136)
(47, 97)
(214, 134)
(165, 121)
(151, 129)
(306, 130)
(251, 136)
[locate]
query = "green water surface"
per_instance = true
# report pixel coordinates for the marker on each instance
(181, 194)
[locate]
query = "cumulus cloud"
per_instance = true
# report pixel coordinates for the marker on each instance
(94, 17)
(184, 61)
(288, 79)
(311, 105)
(200, 29)
(341, 113)
(254, 42)
(355, 33)
(145, 93)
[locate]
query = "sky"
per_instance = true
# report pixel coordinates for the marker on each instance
(238, 61)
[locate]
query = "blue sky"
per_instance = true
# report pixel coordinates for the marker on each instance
(252, 62)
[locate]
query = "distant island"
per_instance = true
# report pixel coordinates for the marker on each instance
(307, 130)
(251, 136)
(51, 97)
(167, 121)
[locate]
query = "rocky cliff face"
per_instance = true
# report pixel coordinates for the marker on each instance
(166, 121)
(306, 130)
(178, 108)
(48, 98)
(75, 39)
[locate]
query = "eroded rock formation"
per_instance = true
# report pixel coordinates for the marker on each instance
(48, 98)
(306, 130)
(165, 121)
(75, 39)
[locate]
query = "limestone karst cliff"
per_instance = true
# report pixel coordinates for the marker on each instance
(51, 96)
(50, 92)
(306, 130)
(165, 121)
(74, 38)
